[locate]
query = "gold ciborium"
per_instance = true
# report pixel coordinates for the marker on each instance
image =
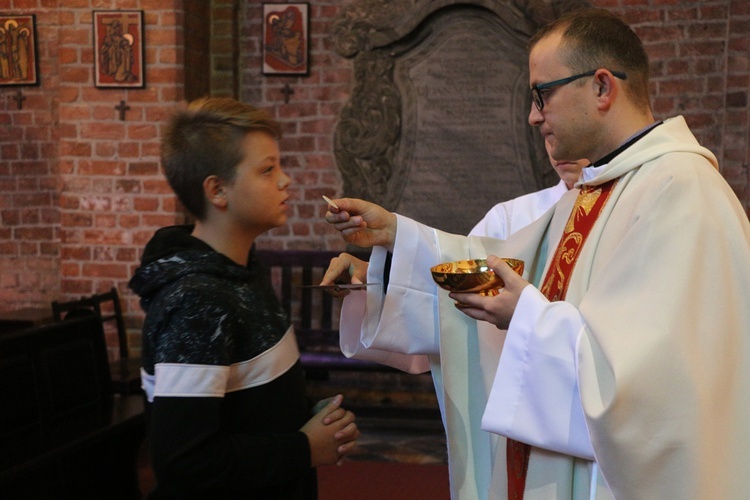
(471, 275)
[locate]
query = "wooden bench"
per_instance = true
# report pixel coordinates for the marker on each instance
(314, 312)
(370, 388)
(63, 433)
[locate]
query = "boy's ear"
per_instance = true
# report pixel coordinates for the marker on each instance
(213, 189)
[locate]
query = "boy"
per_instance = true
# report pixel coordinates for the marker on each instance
(228, 411)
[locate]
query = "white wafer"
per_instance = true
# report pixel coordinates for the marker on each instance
(330, 202)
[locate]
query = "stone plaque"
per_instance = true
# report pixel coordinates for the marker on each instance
(465, 137)
(437, 125)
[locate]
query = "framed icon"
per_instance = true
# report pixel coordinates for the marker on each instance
(286, 39)
(118, 48)
(18, 57)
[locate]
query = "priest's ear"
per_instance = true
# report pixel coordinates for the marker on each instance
(607, 88)
(214, 191)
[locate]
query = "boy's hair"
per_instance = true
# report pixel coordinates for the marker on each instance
(206, 139)
(596, 38)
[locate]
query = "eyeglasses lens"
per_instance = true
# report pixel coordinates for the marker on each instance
(536, 96)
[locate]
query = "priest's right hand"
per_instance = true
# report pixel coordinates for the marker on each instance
(362, 223)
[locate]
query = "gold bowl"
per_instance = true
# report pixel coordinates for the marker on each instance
(472, 275)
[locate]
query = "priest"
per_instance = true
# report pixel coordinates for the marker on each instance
(625, 368)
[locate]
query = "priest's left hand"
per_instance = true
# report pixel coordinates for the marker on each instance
(345, 268)
(497, 309)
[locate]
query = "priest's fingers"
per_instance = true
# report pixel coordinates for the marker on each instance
(343, 220)
(344, 269)
(363, 223)
(346, 210)
(497, 309)
(513, 282)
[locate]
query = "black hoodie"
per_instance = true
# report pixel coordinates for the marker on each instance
(207, 320)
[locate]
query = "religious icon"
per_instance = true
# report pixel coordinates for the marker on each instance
(118, 48)
(285, 39)
(18, 62)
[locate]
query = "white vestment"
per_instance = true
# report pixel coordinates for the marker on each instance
(645, 367)
(395, 330)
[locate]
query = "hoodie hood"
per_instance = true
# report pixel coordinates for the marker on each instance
(168, 241)
(173, 254)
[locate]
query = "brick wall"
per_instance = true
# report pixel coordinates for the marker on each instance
(29, 145)
(82, 190)
(111, 191)
(699, 53)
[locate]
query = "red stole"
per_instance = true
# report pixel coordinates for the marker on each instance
(586, 210)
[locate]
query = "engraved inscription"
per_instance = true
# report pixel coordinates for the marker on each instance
(462, 121)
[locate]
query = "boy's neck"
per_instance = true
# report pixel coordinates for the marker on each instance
(226, 241)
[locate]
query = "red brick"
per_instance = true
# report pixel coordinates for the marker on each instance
(127, 186)
(77, 220)
(129, 221)
(127, 255)
(740, 8)
(141, 132)
(102, 130)
(76, 287)
(716, 30)
(105, 149)
(70, 148)
(686, 13)
(69, 252)
(74, 74)
(143, 204)
(156, 187)
(719, 12)
(70, 269)
(32, 233)
(127, 149)
(158, 220)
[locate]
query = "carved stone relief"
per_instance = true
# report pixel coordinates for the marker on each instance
(436, 127)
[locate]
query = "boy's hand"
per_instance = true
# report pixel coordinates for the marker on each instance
(332, 432)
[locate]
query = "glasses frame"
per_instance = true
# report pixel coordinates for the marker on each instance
(536, 90)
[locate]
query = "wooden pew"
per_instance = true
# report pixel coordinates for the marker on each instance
(370, 388)
(313, 312)
(63, 434)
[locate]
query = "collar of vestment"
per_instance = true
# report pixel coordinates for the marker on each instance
(632, 140)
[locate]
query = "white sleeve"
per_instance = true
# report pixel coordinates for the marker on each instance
(404, 319)
(398, 328)
(495, 223)
(535, 398)
(353, 312)
(510, 216)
